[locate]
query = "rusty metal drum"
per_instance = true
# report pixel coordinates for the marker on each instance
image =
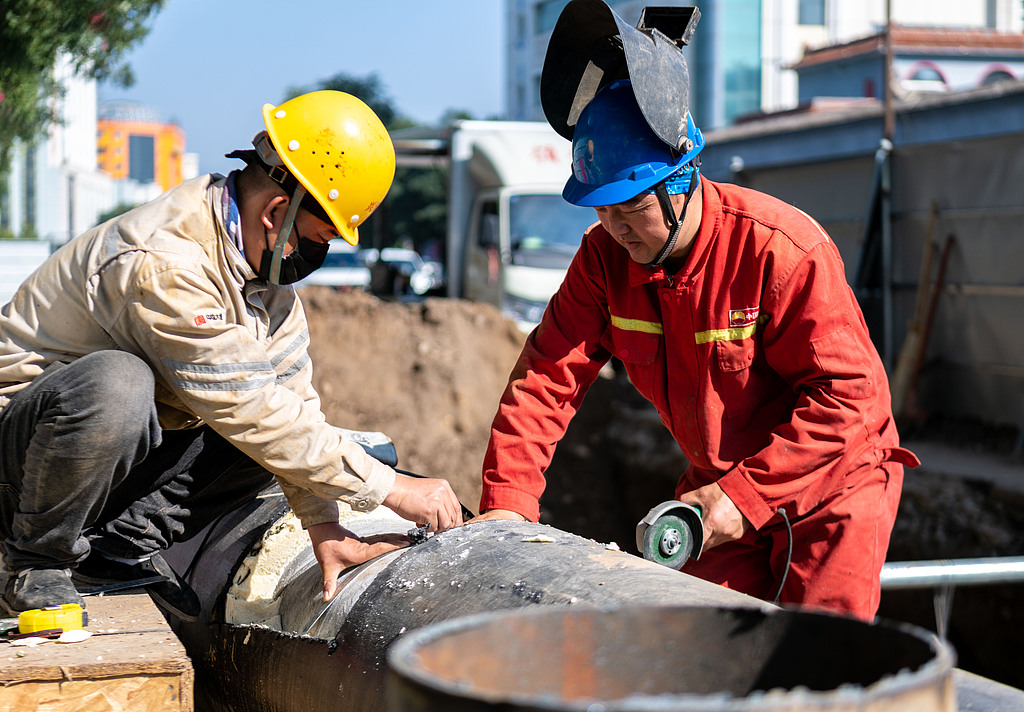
(661, 658)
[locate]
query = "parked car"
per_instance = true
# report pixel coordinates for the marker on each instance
(399, 272)
(344, 268)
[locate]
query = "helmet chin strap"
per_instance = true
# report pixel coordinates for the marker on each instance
(286, 231)
(675, 222)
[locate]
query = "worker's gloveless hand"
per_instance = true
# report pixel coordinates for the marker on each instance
(722, 520)
(498, 514)
(426, 501)
(336, 549)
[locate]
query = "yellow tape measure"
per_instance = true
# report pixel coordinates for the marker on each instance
(67, 616)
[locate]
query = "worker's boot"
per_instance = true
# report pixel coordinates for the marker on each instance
(172, 592)
(39, 588)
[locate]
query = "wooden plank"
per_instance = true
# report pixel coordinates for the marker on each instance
(132, 662)
(154, 693)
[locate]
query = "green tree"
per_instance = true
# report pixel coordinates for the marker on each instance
(369, 88)
(93, 34)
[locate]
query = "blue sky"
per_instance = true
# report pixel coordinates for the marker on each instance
(210, 65)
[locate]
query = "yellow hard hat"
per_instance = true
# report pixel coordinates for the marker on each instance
(340, 152)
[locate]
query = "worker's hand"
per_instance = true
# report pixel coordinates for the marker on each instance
(425, 501)
(498, 514)
(722, 520)
(336, 549)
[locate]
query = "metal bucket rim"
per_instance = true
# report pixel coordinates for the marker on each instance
(401, 651)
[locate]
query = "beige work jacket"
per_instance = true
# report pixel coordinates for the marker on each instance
(166, 283)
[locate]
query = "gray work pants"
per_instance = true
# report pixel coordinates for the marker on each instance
(84, 464)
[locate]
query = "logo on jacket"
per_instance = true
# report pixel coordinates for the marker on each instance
(201, 319)
(743, 317)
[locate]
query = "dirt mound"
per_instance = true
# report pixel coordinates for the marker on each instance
(428, 374)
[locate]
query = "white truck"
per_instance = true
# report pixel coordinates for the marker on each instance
(510, 236)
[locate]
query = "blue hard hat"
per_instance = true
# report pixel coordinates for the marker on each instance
(616, 156)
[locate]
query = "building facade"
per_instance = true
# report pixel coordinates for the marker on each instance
(925, 59)
(54, 189)
(133, 141)
(84, 165)
(743, 54)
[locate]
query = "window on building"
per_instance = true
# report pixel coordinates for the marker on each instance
(742, 90)
(924, 77)
(740, 22)
(812, 12)
(927, 74)
(997, 76)
(141, 158)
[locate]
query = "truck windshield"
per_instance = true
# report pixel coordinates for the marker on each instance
(546, 230)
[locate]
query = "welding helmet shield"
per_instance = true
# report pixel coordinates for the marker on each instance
(591, 47)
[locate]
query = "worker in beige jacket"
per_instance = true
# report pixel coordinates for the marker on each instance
(154, 372)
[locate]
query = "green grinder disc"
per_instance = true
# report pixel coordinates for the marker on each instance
(668, 541)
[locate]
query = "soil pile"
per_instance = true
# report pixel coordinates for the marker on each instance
(428, 374)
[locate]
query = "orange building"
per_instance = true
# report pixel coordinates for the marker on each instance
(133, 141)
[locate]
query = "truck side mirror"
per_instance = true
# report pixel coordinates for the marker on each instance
(489, 232)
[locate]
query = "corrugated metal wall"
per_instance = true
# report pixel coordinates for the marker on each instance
(974, 358)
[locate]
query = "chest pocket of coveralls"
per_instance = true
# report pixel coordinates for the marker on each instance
(742, 385)
(638, 352)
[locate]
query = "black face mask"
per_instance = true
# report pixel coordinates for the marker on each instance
(307, 257)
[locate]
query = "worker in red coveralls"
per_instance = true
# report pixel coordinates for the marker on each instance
(731, 313)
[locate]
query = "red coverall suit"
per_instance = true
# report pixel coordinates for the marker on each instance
(757, 358)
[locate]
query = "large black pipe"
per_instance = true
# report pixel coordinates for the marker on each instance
(337, 660)
(311, 660)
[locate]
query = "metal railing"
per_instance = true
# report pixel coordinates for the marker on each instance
(944, 575)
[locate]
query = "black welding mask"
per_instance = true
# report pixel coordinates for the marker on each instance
(591, 47)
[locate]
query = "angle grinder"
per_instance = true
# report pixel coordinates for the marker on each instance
(670, 534)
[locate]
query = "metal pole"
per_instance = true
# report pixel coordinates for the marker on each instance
(889, 128)
(954, 572)
(943, 576)
(886, 218)
(888, 135)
